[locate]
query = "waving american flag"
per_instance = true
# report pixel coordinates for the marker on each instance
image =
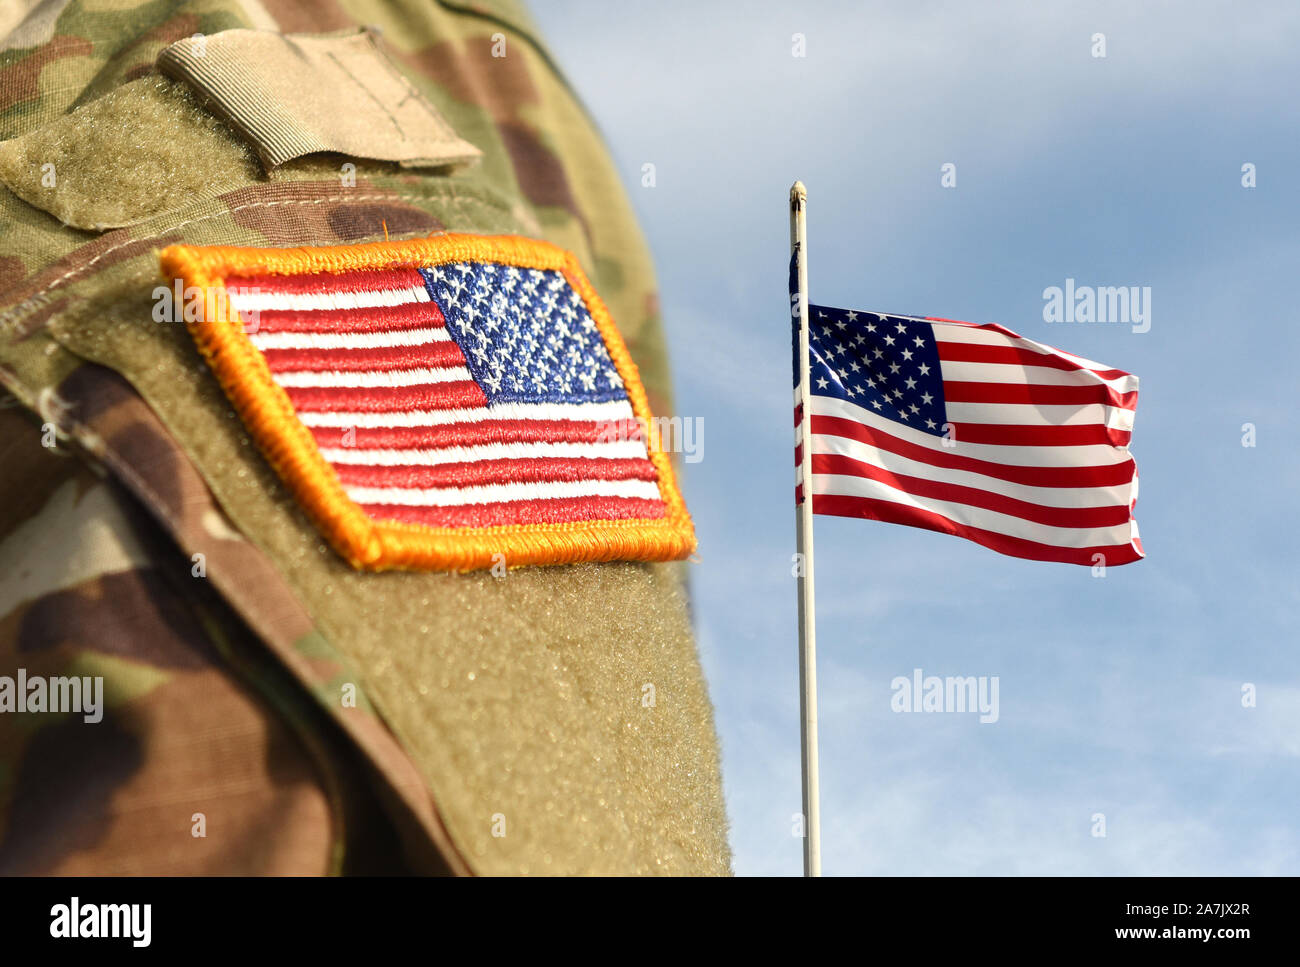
(970, 430)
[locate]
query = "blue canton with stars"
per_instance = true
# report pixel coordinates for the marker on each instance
(526, 334)
(887, 364)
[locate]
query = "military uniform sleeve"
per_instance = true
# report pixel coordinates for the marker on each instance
(143, 751)
(314, 716)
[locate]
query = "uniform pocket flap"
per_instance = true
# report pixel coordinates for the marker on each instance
(296, 94)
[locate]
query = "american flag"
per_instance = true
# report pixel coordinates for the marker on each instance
(970, 430)
(470, 394)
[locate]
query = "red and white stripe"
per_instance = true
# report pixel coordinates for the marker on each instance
(1040, 467)
(373, 373)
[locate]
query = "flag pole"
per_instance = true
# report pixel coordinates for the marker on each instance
(812, 847)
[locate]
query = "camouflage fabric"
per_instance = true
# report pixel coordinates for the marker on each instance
(266, 709)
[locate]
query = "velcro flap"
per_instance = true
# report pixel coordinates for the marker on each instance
(296, 94)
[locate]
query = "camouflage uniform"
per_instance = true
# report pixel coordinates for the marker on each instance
(499, 724)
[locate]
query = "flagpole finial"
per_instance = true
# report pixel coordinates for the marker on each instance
(798, 194)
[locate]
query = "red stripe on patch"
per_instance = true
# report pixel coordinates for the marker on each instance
(454, 395)
(483, 473)
(558, 511)
(477, 434)
(313, 282)
(434, 355)
(410, 315)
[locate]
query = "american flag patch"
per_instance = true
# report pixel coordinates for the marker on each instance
(449, 403)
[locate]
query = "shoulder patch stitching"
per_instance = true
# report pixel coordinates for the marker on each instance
(409, 306)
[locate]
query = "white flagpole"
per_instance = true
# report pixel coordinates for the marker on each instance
(812, 845)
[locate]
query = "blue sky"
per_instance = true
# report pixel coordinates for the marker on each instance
(1119, 695)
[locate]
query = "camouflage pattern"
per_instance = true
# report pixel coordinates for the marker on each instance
(316, 719)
